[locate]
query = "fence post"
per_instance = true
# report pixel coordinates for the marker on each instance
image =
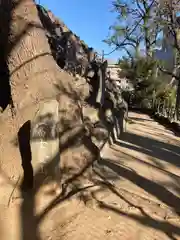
(102, 56)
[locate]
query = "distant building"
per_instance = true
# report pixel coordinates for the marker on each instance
(123, 83)
(167, 54)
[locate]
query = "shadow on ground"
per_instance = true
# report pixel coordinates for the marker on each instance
(73, 186)
(160, 153)
(156, 149)
(149, 186)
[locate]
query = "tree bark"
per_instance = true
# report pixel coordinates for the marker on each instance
(32, 70)
(33, 76)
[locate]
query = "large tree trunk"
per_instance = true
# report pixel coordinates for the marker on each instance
(32, 72)
(33, 77)
(32, 69)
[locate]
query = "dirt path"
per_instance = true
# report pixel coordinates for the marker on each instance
(141, 198)
(136, 194)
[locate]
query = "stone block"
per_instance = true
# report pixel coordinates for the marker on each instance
(45, 140)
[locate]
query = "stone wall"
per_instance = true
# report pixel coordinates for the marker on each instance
(75, 57)
(66, 46)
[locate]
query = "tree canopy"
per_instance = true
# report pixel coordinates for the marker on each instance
(147, 25)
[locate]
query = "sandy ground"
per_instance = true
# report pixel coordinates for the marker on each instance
(133, 193)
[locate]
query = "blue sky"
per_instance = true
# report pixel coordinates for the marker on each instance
(88, 19)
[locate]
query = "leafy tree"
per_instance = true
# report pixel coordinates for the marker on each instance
(150, 91)
(136, 24)
(171, 24)
(142, 23)
(139, 75)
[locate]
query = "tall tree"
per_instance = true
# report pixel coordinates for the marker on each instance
(26, 52)
(168, 15)
(136, 24)
(146, 23)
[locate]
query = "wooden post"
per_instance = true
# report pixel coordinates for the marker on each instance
(102, 56)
